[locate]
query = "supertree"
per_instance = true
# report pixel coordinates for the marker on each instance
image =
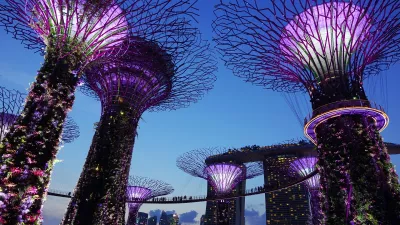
(326, 48)
(11, 103)
(141, 189)
(70, 33)
(166, 66)
(303, 167)
(222, 176)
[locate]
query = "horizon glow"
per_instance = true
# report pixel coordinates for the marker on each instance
(6, 120)
(107, 29)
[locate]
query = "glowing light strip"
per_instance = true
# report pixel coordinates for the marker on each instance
(224, 177)
(378, 116)
(304, 167)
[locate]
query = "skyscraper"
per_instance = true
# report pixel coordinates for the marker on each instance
(288, 206)
(230, 212)
(163, 219)
(142, 218)
(152, 220)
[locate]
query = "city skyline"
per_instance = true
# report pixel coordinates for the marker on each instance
(234, 114)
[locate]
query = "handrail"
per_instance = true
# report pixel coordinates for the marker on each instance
(342, 104)
(192, 199)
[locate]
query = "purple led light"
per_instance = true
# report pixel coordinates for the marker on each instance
(70, 20)
(6, 120)
(224, 177)
(380, 118)
(323, 37)
(116, 81)
(135, 192)
(305, 166)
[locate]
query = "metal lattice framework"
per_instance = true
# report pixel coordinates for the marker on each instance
(289, 47)
(225, 176)
(303, 167)
(142, 189)
(156, 187)
(154, 74)
(88, 27)
(11, 103)
(194, 163)
(165, 66)
(70, 130)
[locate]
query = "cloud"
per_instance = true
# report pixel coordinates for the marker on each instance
(253, 217)
(157, 212)
(188, 217)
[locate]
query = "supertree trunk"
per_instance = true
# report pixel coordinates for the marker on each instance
(359, 184)
(100, 194)
(133, 212)
(315, 207)
(28, 151)
(333, 169)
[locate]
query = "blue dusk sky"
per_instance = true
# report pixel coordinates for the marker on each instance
(233, 114)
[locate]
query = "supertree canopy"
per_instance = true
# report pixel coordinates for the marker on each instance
(303, 167)
(141, 189)
(223, 176)
(10, 105)
(166, 66)
(326, 48)
(71, 33)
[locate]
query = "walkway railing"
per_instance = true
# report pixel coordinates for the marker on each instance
(342, 104)
(191, 199)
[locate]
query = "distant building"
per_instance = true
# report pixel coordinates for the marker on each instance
(141, 218)
(226, 212)
(164, 219)
(173, 219)
(202, 219)
(170, 218)
(152, 220)
(288, 206)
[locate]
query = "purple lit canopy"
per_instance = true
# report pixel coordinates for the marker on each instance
(143, 188)
(142, 78)
(89, 28)
(6, 120)
(11, 103)
(153, 75)
(223, 176)
(304, 166)
(323, 37)
(292, 47)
